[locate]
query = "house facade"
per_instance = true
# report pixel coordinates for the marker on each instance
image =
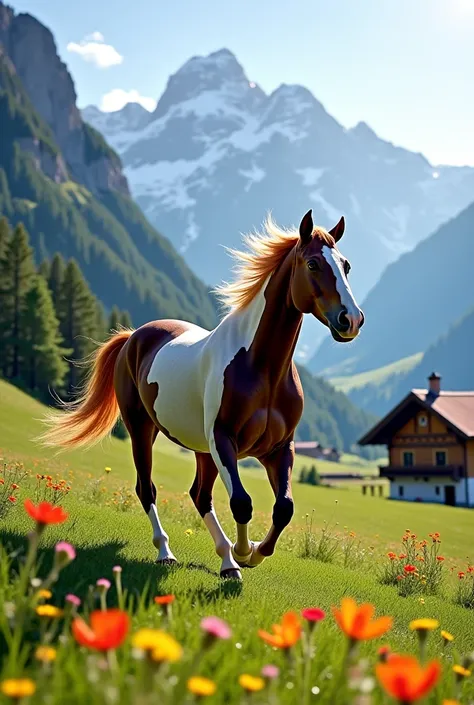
(313, 449)
(430, 442)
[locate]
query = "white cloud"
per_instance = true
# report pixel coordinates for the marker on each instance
(117, 98)
(93, 48)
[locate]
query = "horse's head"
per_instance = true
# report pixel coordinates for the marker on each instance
(319, 283)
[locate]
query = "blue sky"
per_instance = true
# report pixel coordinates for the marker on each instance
(403, 66)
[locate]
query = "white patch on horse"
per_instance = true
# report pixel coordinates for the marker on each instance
(189, 371)
(335, 260)
(160, 537)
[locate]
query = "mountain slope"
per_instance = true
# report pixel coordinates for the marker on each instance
(218, 153)
(59, 176)
(417, 299)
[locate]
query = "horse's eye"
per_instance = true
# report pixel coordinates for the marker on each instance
(313, 265)
(347, 267)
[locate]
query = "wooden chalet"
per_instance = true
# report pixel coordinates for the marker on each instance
(430, 440)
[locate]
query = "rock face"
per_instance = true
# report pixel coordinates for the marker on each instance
(32, 50)
(218, 153)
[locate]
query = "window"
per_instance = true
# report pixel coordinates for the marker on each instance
(408, 459)
(437, 490)
(400, 490)
(423, 421)
(440, 457)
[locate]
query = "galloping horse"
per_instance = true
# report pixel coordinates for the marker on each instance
(225, 394)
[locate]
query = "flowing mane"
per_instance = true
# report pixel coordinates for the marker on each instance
(266, 250)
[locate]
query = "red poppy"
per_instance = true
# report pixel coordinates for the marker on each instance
(313, 614)
(410, 569)
(440, 558)
(405, 679)
(45, 513)
(108, 629)
(12, 499)
(164, 599)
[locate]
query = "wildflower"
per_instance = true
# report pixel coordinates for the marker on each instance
(46, 654)
(199, 686)
(189, 532)
(383, 653)
(421, 600)
(216, 628)
(451, 702)
(103, 584)
(45, 594)
(164, 599)
(391, 555)
(405, 679)
(73, 600)
(447, 637)
(49, 611)
(166, 648)
(286, 634)
(116, 569)
(252, 684)
(270, 672)
(107, 470)
(64, 554)
(12, 499)
(461, 575)
(18, 687)
(45, 513)
(440, 558)
(409, 569)
(357, 623)
(461, 672)
(313, 615)
(15, 486)
(108, 629)
(424, 625)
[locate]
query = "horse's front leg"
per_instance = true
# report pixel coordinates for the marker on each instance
(224, 453)
(279, 466)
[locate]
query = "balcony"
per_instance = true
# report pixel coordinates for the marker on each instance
(453, 472)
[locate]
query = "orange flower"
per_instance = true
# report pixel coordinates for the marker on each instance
(440, 558)
(12, 499)
(410, 569)
(15, 486)
(357, 623)
(405, 679)
(107, 629)
(286, 634)
(45, 513)
(164, 599)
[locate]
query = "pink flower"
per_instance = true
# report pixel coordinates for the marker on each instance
(215, 627)
(103, 584)
(313, 614)
(270, 672)
(117, 569)
(73, 600)
(64, 554)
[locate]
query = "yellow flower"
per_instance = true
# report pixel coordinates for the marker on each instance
(45, 594)
(167, 649)
(108, 469)
(45, 654)
(49, 611)
(424, 625)
(146, 639)
(201, 686)
(189, 532)
(451, 702)
(252, 684)
(18, 687)
(447, 636)
(461, 671)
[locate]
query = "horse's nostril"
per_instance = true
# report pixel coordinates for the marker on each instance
(343, 321)
(362, 319)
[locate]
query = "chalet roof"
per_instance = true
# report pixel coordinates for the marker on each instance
(456, 409)
(307, 444)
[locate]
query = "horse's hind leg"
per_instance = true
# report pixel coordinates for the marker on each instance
(143, 433)
(201, 494)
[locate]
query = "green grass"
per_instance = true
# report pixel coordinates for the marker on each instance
(105, 536)
(378, 376)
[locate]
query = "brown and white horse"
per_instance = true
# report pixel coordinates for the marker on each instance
(225, 394)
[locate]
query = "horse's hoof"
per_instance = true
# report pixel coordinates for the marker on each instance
(166, 561)
(231, 573)
(242, 561)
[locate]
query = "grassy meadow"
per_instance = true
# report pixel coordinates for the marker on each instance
(336, 547)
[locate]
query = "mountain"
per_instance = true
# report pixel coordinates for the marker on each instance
(415, 301)
(60, 177)
(218, 153)
(450, 356)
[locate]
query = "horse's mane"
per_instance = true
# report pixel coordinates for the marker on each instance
(265, 251)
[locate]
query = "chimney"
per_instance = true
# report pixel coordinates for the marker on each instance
(435, 384)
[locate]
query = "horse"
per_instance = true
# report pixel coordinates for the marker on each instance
(225, 394)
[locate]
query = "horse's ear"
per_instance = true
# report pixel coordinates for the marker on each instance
(338, 230)
(306, 228)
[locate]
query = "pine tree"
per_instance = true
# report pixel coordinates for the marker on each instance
(43, 362)
(126, 320)
(114, 319)
(78, 315)
(44, 269)
(313, 476)
(5, 234)
(303, 478)
(18, 272)
(56, 277)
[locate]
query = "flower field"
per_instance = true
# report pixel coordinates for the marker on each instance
(352, 609)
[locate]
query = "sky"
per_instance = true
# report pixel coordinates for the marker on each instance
(403, 66)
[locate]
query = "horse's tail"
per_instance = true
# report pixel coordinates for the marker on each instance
(91, 416)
